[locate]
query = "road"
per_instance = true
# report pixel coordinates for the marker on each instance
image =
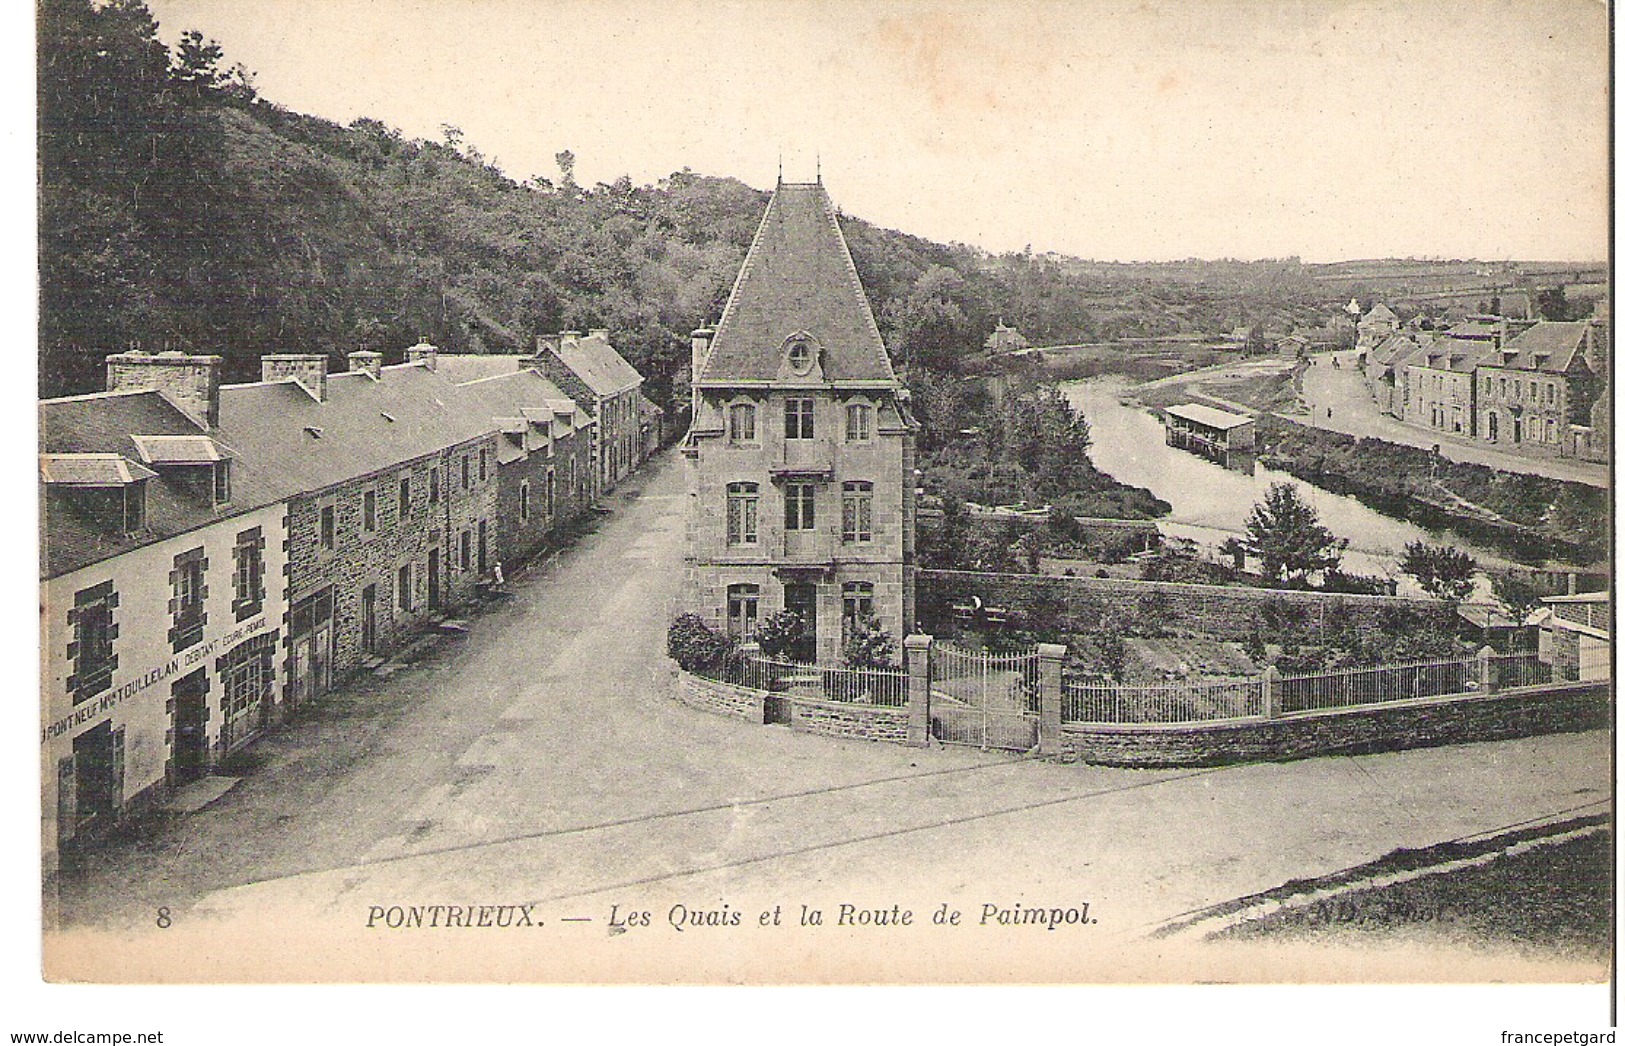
(1355, 413)
(542, 761)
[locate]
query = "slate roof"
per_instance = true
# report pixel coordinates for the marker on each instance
(1380, 313)
(797, 276)
(1460, 357)
(1211, 417)
(288, 443)
(101, 425)
(526, 404)
(91, 470)
(595, 361)
(1548, 347)
(180, 450)
(463, 367)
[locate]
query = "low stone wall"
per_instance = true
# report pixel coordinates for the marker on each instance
(1082, 604)
(1411, 724)
(844, 719)
(709, 695)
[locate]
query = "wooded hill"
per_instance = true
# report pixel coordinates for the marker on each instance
(178, 210)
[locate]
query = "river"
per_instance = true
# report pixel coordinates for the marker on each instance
(1211, 503)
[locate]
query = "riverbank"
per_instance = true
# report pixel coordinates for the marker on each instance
(1533, 518)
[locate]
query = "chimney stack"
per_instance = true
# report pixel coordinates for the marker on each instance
(598, 332)
(423, 353)
(699, 349)
(365, 360)
(191, 383)
(568, 338)
(309, 369)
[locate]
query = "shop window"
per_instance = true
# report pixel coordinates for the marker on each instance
(94, 631)
(248, 574)
(188, 593)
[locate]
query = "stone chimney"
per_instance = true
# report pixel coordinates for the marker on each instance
(309, 369)
(568, 338)
(601, 333)
(423, 353)
(365, 360)
(546, 343)
(191, 383)
(699, 350)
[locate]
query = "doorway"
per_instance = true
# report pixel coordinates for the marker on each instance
(97, 769)
(190, 759)
(801, 600)
(434, 579)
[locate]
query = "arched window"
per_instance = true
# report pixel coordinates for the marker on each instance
(743, 502)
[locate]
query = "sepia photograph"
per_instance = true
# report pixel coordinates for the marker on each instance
(1002, 492)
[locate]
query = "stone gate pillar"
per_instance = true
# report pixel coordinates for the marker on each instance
(1485, 667)
(1269, 685)
(1050, 658)
(917, 664)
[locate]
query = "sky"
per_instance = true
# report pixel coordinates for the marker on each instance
(1129, 131)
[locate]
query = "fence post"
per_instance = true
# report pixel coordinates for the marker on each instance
(1050, 658)
(1486, 670)
(1269, 692)
(917, 664)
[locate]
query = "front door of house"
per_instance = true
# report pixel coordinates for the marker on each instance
(434, 579)
(191, 754)
(96, 775)
(801, 600)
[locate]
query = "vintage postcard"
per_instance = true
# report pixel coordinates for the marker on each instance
(825, 493)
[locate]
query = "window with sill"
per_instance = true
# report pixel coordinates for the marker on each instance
(742, 423)
(798, 506)
(743, 503)
(248, 574)
(857, 511)
(94, 632)
(859, 422)
(188, 595)
(798, 418)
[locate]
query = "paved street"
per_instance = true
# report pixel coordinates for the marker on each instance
(1354, 412)
(542, 761)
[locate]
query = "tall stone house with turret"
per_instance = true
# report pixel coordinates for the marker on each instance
(800, 460)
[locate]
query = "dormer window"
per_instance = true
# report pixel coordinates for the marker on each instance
(222, 482)
(800, 353)
(107, 490)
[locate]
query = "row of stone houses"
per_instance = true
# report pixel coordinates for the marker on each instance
(213, 556)
(1536, 387)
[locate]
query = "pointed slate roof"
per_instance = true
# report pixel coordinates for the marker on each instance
(1548, 346)
(798, 276)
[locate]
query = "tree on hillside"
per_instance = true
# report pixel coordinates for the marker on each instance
(1443, 571)
(1285, 533)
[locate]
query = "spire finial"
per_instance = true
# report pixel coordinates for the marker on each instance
(781, 166)
(819, 168)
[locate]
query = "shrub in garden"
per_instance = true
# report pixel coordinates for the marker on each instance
(869, 646)
(696, 646)
(779, 634)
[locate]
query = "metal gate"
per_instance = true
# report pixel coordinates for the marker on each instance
(984, 699)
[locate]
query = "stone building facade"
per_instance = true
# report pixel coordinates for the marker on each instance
(800, 458)
(592, 373)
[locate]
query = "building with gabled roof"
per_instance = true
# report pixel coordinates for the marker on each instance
(212, 555)
(544, 462)
(1439, 384)
(592, 373)
(800, 458)
(1544, 391)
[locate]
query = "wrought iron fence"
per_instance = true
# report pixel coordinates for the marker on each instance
(887, 687)
(1525, 669)
(1103, 702)
(1376, 685)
